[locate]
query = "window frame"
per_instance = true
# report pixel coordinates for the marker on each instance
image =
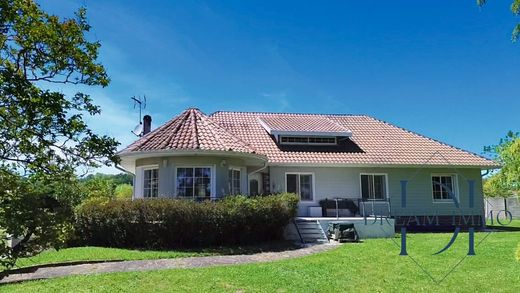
(313, 180)
(387, 192)
(211, 184)
(231, 180)
(455, 187)
(280, 139)
(150, 168)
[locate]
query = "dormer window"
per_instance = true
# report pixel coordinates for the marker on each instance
(314, 140)
(304, 130)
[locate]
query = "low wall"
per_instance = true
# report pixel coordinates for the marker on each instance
(500, 205)
(372, 228)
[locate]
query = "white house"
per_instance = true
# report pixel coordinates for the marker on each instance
(378, 165)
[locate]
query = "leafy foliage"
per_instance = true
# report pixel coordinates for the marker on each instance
(43, 136)
(103, 187)
(124, 191)
(36, 211)
(167, 223)
(506, 181)
(515, 8)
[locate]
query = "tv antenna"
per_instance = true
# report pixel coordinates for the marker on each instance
(141, 103)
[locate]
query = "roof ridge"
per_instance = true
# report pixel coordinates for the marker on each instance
(429, 138)
(289, 113)
(251, 148)
(195, 128)
(178, 118)
(212, 132)
(336, 123)
(143, 139)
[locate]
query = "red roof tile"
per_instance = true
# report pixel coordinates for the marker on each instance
(299, 124)
(373, 142)
(377, 142)
(191, 130)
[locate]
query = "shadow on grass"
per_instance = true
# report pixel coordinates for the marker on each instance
(277, 246)
(32, 269)
(499, 228)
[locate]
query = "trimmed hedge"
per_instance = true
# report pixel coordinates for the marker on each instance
(170, 223)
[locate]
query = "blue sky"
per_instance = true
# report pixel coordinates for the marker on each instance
(447, 70)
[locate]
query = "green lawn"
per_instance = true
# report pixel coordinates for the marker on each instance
(373, 265)
(85, 254)
(101, 253)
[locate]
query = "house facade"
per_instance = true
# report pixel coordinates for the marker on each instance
(382, 168)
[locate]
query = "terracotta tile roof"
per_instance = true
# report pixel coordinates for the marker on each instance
(191, 130)
(308, 124)
(373, 142)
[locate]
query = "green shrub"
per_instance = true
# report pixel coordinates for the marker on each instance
(167, 223)
(124, 191)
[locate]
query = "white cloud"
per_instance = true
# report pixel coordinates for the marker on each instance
(280, 99)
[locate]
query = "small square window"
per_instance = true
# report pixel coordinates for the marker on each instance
(443, 187)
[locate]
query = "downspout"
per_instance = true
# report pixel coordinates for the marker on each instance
(131, 174)
(485, 203)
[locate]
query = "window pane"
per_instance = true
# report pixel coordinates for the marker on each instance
(364, 186)
(379, 187)
(292, 185)
(442, 187)
(447, 185)
(306, 187)
(234, 181)
(202, 187)
(371, 187)
(185, 182)
(151, 183)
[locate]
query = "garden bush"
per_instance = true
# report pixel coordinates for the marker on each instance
(171, 223)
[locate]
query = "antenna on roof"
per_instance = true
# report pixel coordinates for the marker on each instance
(141, 103)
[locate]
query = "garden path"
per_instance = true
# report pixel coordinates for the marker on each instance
(159, 264)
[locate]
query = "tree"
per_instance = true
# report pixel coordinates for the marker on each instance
(515, 8)
(124, 191)
(43, 135)
(105, 187)
(506, 181)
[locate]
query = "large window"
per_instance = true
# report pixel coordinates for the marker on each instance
(300, 184)
(234, 181)
(443, 187)
(194, 182)
(373, 186)
(151, 182)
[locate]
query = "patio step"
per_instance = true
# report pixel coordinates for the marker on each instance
(311, 231)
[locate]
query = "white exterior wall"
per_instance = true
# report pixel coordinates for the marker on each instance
(331, 182)
(328, 182)
(167, 173)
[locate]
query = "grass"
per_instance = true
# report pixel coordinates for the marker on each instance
(86, 254)
(374, 265)
(78, 254)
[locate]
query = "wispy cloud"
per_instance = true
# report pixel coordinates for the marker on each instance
(280, 99)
